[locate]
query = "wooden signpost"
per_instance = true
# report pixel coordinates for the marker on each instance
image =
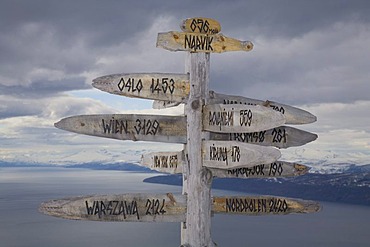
(225, 136)
(166, 87)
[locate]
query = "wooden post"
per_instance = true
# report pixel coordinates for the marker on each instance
(199, 178)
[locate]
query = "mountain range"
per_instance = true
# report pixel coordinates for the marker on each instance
(341, 183)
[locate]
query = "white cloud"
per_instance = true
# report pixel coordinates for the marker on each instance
(322, 62)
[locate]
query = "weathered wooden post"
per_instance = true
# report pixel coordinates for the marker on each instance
(199, 178)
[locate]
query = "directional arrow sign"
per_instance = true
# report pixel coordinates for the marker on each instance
(126, 207)
(169, 87)
(292, 114)
(201, 25)
(167, 162)
(262, 205)
(280, 137)
(133, 127)
(273, 170)
(240, 118)
(232, 154)
(198, 42)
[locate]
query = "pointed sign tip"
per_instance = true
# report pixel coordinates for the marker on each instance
(96, 83)
(57, 124)
(313, 207)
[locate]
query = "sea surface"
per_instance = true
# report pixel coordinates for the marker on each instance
(22, 190)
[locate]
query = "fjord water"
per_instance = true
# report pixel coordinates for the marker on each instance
(23, 189)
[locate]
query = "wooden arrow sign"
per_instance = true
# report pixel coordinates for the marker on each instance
(201, 25)
(280, 137)
(167, 162)
(199, 42)
(156, 128)
(232, 154)
(126, 207)
(240, 118)
(292, 114)
(157, 86)
(262, 205)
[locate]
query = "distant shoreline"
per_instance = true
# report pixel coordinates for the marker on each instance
(337, 188)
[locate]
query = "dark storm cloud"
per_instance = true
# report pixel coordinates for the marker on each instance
(48, 46)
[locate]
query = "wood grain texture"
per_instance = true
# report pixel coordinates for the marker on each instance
(125, 207)
(197, 42)
(199, 179)
(157, 86)
(240, 118)
(262, 205)
(276, 169)
(166, 162)
(134, 127)
(232, 154)
(280, 137)
(292, 114)
(167, 207)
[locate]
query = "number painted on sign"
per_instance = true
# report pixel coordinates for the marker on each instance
(162, 85)
(246, 117)
(235, 154)
(202, 26)
(155, 207)
(277, 108)
(275, 169)
(279, 135)
(278, 205)
(146, 127)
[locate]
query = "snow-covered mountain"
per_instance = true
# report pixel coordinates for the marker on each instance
(320, 161)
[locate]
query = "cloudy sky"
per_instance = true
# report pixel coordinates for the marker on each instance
(311, 54)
